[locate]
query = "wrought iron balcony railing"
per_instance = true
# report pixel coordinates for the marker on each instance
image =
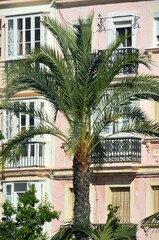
(132, 68)
(118, 150)
(33, 156)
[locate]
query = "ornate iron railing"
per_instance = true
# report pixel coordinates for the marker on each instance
(131, 68)
(117, 150)
(33, 156)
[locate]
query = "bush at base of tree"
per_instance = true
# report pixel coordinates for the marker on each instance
(25, 222)
(113, 229)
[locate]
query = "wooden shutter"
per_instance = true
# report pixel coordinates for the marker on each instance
(121, 199)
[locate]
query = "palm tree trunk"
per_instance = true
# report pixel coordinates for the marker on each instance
(81, 184)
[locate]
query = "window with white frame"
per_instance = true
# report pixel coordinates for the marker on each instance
(120, 24)
(12, 190)
(124, 28)
(156, 30)
(14, 123)
(121, 199)
(23, 33)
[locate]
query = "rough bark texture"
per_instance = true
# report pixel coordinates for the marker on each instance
(81, 184)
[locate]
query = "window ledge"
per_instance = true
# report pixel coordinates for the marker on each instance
(152, 50)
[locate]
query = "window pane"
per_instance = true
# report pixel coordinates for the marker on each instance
(129, 40)
(20, 187)
(37, 22)
(37, 45)
(31, 119)
(25, 151)
(28, 36)
(40, 150)
(20, 49)
(32, 150)
(10, 25)
(28, 23)
(8, 189)
(37, 35)
(27, 48)
(23, 120)
(20, 36)
(20, 24)
(10, 38)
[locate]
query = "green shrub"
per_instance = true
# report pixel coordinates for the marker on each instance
(25, 222)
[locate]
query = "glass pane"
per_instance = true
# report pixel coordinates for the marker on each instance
(40, 150)
(37, 22)
(20, 36)
(25, 151)
(31, 119)
(32, 150)
(28, 36)
(28, 23)
(20, 49)
(20, 187)
(27, 48)
(37, 35)
(37, 45)
(10, 38)
(10, 25)
(129, 40)
(23, 120)
(8, 189)
(20, 24)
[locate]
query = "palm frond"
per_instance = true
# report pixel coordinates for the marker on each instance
(12, 150)
(152, 220)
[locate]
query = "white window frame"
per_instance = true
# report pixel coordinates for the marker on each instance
(156, 30)
(11, 123)
(125, 19)
(13, 197)
(14, 32)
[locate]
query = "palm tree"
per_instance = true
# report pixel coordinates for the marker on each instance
(76, 82)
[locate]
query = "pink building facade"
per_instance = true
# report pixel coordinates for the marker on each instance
(129, 176)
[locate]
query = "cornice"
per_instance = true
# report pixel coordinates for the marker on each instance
(133, 170)
(17, 3)
(68, 3)
(30, 172)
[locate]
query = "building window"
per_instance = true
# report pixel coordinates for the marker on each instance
(14, 123)
(12, 190)
(156, 30)
(114, 126)
(121, 199)
(24, 33)
(155, 198)
(124, 28)
(120, 24)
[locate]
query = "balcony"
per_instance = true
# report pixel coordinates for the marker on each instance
(133, 68)
(33, 156)
(120, 150)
